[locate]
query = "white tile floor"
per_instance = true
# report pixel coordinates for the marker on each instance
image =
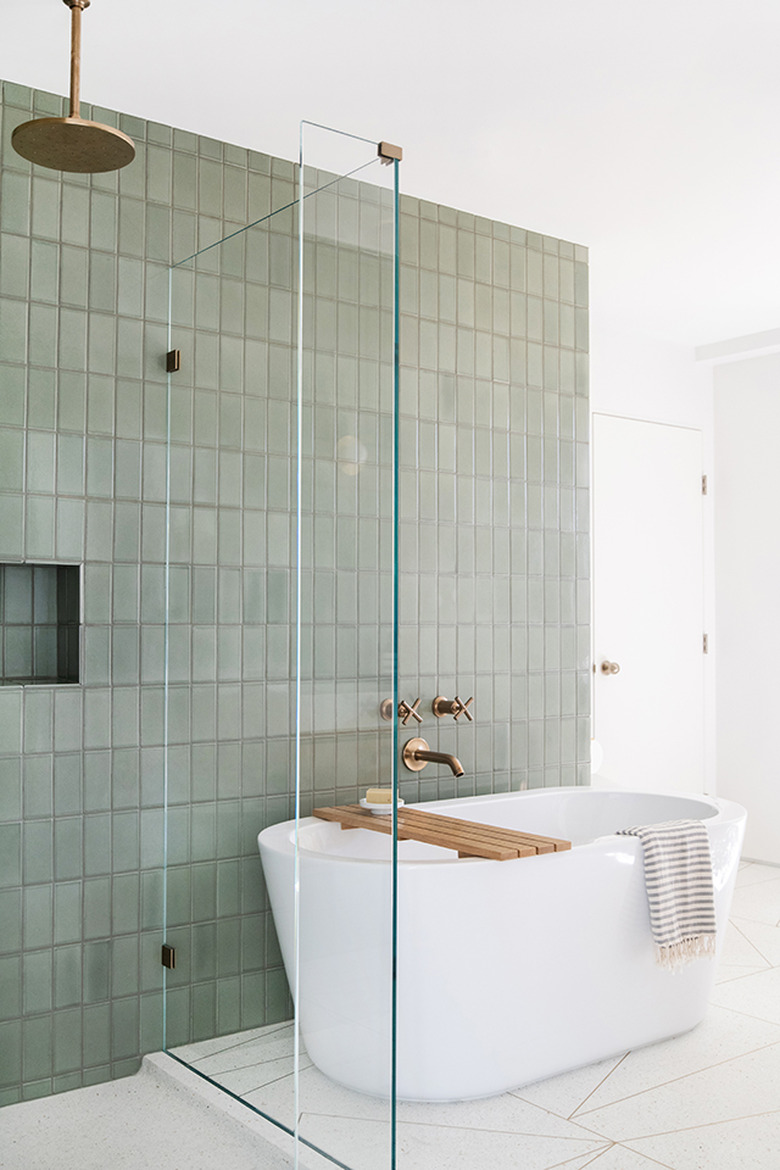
(709, 1100)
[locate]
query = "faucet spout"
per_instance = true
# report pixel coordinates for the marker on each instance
(417, 754)
(452, 762)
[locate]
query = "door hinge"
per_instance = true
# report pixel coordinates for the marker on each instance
(173, 361)
(168, 956)
(704, 485)
(705, 643)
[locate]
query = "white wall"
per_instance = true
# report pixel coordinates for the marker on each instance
(635, 375)
(640, 376)
(747, 532)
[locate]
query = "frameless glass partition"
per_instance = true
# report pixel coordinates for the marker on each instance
(280, 653)
(347, 674)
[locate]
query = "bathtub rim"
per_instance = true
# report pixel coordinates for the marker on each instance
(281, 837)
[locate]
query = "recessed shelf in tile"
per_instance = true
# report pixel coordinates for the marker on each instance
(40, 606)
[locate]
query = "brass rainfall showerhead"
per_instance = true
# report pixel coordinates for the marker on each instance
(73, 143)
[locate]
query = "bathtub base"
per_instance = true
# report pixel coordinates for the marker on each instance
(508, 972)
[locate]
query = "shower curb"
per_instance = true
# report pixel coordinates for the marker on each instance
(276, 1146)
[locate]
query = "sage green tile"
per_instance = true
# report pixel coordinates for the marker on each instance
(18, 266)
(13, 330)
(158, 233)
(15, 203)
(37, 983)
(97, 964)
(67, 1047)
(67, 912)
(67, 784)
(103, 220)
(36, 1051)
(10, 987)
(67, 849)
(70, 529)
(131, 226)
(44, 202)
(72, 339)
(75, 214)
(97, 847)
(101, 354)
(11, 459)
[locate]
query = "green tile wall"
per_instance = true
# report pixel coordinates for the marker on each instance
(494, 566)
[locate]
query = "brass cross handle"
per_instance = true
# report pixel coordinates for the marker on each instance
(405, 711)
(454, 707)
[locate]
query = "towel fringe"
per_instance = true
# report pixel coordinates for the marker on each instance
(678, 954)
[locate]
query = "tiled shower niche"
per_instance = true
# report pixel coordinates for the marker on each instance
(39, 613)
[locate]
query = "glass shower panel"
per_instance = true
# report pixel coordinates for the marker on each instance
(280, 649)
(230, 693)
(343, 983)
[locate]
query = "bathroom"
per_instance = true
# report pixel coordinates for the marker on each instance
(95, 394)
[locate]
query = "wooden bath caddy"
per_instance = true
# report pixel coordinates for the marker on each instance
(469, 838)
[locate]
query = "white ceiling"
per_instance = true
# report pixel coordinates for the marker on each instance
(648, 132)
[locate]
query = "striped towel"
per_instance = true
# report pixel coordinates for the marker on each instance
(678, 877)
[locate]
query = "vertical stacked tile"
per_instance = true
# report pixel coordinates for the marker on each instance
(493, 561)
(494, 498)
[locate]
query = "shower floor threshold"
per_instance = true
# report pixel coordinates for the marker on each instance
(467, 838)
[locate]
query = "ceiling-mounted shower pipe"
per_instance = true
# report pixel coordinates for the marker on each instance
(73, 143)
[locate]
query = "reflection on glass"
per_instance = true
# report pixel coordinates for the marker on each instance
(280, 647)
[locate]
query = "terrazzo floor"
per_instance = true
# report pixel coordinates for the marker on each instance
(708, 1100)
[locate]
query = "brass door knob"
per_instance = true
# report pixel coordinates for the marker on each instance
(610, 667)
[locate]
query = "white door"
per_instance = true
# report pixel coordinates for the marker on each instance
(648, 604)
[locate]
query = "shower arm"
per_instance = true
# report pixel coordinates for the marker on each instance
(76, 7)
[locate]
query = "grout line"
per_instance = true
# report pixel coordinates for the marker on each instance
(748, 1015)
(599, 1154)
(549, 1137)
(749, 942)
(253, 1062)
(686, 1076)
(583, 1165)
(274, 1029)
(264, 1084)
(724, 977)
(735, 1011)
(598, 1086)
(692, 1128)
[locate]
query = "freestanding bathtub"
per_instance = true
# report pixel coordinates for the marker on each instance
(508, 971)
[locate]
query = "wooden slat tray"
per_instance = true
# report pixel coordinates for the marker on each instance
(469, 838)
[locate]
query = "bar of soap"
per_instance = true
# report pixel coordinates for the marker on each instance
(379, 796)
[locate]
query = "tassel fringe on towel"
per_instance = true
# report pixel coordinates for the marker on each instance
(678, 877)
(679, 954)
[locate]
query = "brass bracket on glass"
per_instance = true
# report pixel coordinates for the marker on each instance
(389, 153)
(455, 707)
(405, 712)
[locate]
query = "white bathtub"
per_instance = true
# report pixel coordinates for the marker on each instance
(508, 971)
